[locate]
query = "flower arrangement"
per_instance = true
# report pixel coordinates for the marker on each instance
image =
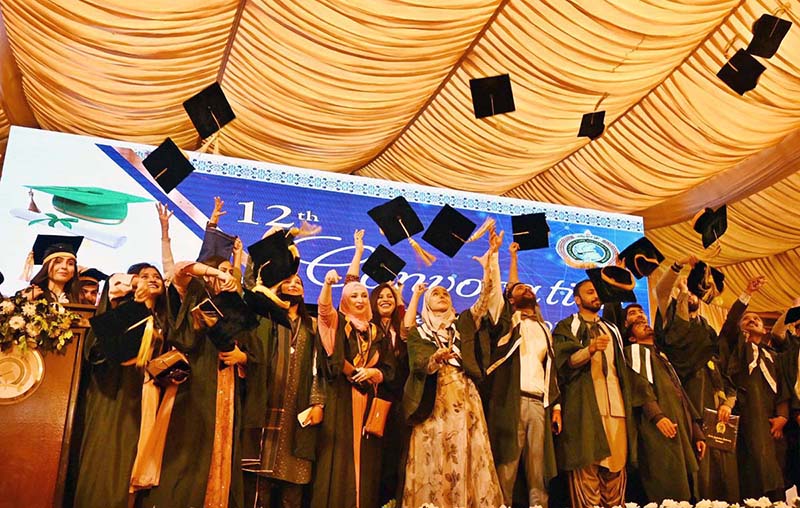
(670, 503)
(35, 324)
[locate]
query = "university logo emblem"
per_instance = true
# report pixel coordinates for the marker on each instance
(585, 250)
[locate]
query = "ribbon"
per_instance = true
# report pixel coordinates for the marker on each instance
(758, 361)
(54, 219)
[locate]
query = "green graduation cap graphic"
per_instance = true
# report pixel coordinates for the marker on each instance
(93, 204)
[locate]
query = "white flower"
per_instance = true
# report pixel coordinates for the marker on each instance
(651, 505)
(685, 504)
(7, 307)
(705, 503)
(29, 309)
(719, 504)
(16, 322)
(33, 329)
(780, 504)
(631, 505)
(669, 503)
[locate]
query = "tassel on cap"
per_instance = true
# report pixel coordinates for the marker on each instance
(487, 225)
(423, 255)
(32, 205)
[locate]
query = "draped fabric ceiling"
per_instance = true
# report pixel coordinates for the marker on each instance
(380, 88)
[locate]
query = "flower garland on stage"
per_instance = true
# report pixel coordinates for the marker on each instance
(35, 324)
(669, 503)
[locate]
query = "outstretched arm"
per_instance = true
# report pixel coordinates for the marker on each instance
(410, 318)
(490, 298)
(354, 269)
(167, 261)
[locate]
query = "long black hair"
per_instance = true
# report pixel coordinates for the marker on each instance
(72, 288)
(394, 319)
(160, 307)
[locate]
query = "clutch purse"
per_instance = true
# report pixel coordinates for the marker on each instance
(376, 419)
(171, 367)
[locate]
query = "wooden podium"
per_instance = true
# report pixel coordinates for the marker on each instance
(35, 429)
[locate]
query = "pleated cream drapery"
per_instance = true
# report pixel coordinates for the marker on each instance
(380, 88)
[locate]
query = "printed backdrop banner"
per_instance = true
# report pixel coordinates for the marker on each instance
(259, 195)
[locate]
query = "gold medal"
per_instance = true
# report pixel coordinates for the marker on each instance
(711, 364)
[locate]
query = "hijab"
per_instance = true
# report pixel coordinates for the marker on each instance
(360, 319)
(436, 321)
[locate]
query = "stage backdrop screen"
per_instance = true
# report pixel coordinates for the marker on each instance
(259, 195)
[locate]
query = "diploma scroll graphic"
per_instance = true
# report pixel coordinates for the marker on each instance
(77, 229)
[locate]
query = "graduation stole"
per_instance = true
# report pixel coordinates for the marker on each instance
(640, 360)
(362, 358)
(762, 359)
(452, 343)
(575, 327)
(516, 322)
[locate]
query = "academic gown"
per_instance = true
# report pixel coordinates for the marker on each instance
(759, 455)
(111, 411)
(503, 403)
(190, 438)
(583, 441)
(694, 356)
(334, 483)
(665, 464)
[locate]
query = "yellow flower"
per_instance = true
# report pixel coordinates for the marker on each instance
(16, 322)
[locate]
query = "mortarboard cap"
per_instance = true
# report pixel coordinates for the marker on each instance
(641, 257)
(592, 125)
(216, 243)
(768, 33)
(209, 110)
(792, 315)
(531, 231)
(492, 95)
(234, 318)
(119, 331)
(449, 230)
(47, 245)
(613, 284)
(705, 282)
(275, 258)
(741, 72)
(711, 223)
(92, 274)
(396, 219)
(383, 265)
(168, 165)
(94, 204)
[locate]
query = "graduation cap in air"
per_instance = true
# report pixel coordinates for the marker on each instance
(768, 33)
(641, 257)
(383, 265)
(120, 331)
(706, 282)
(94, 204)
(531, 231)
(711, 223)
(92, 275)
(492, 96)
(209, 110)
(275, 258)
(398, 221)
(613, 284)
(741, 72)
(216, 243)
(792, 315)
(592, 125)
(168, 165)
(449, 230)
(233, 318)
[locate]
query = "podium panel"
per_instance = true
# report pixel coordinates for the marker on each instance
(35, 425)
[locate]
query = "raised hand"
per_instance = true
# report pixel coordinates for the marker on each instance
(755, 284)
(683, 285)
(332, 278)
(164, 214)
(358, 239)
(420, 288)
(238, 246)
(513, 248)
(217, 213)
